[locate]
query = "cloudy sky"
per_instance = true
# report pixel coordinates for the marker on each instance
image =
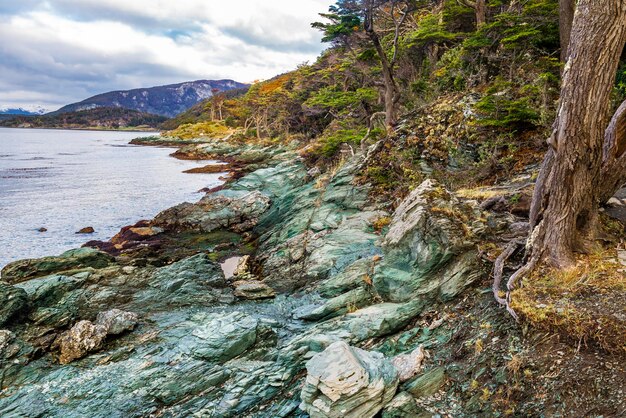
(54, 52)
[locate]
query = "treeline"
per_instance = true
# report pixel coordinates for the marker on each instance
(390, 58)
(468, 89)
(101, 117)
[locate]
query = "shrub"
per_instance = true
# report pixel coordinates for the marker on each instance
(504, 106)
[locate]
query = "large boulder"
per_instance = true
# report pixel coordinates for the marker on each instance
(15, 354)
(195, 279)
(345, 381)
(336, 306)
(13, 303)
(141, 234)
(403, 405)
(194, 271)
(80, 258)
(116, 321)
(55, 299)
(79, 340)
(363, 324)
(315, 231)
(430, 246)
(428, 383)
(409, 364)
(227, 209)
(47, 291)
(253, 290)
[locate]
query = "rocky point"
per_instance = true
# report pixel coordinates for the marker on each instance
(148, 324)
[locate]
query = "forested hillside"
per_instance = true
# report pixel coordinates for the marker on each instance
(98, 118)
(467, 100)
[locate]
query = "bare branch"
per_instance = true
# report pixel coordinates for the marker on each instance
(369, 129)
(467, 3)
(393, 15)
(396, 38)
(615, 136)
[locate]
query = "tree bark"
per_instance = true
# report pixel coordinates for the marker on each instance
(481, 13)
(614, 155)
(391, 88)
(257, 120)
(568, 193)
(480, 9)
(566, 17)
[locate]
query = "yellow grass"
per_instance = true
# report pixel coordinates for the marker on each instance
(479, 193)
(584, 302)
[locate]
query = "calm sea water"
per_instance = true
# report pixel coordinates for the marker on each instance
(66, 180)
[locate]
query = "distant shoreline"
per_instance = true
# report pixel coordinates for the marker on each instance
(85, 129)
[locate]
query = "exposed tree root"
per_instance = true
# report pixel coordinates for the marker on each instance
(369, 129)
(515, 278)
(498, 268)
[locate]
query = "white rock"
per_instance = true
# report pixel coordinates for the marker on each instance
(344, 381)
(408, 365)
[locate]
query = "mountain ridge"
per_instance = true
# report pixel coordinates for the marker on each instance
(166, 100)
(20, 111)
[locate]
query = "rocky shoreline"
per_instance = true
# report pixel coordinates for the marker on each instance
(336, 307)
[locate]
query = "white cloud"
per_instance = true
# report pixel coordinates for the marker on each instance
(60, 51)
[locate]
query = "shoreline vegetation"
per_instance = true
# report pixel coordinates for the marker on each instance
(93, 128)
(100, 118)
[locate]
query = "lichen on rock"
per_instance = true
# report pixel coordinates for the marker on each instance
(85, 336)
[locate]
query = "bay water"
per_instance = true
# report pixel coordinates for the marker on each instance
(66, 180)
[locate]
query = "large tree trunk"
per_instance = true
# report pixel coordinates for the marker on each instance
(391, 89)
(570, 186)
(257, 120)
(566, 17)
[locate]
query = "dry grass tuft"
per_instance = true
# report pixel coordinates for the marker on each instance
(381, 223)
(515, 364)
(201, 130)
(586, 303)
(479, 193)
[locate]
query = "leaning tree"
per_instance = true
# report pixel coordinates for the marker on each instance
(586, 160)
(370, 20)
